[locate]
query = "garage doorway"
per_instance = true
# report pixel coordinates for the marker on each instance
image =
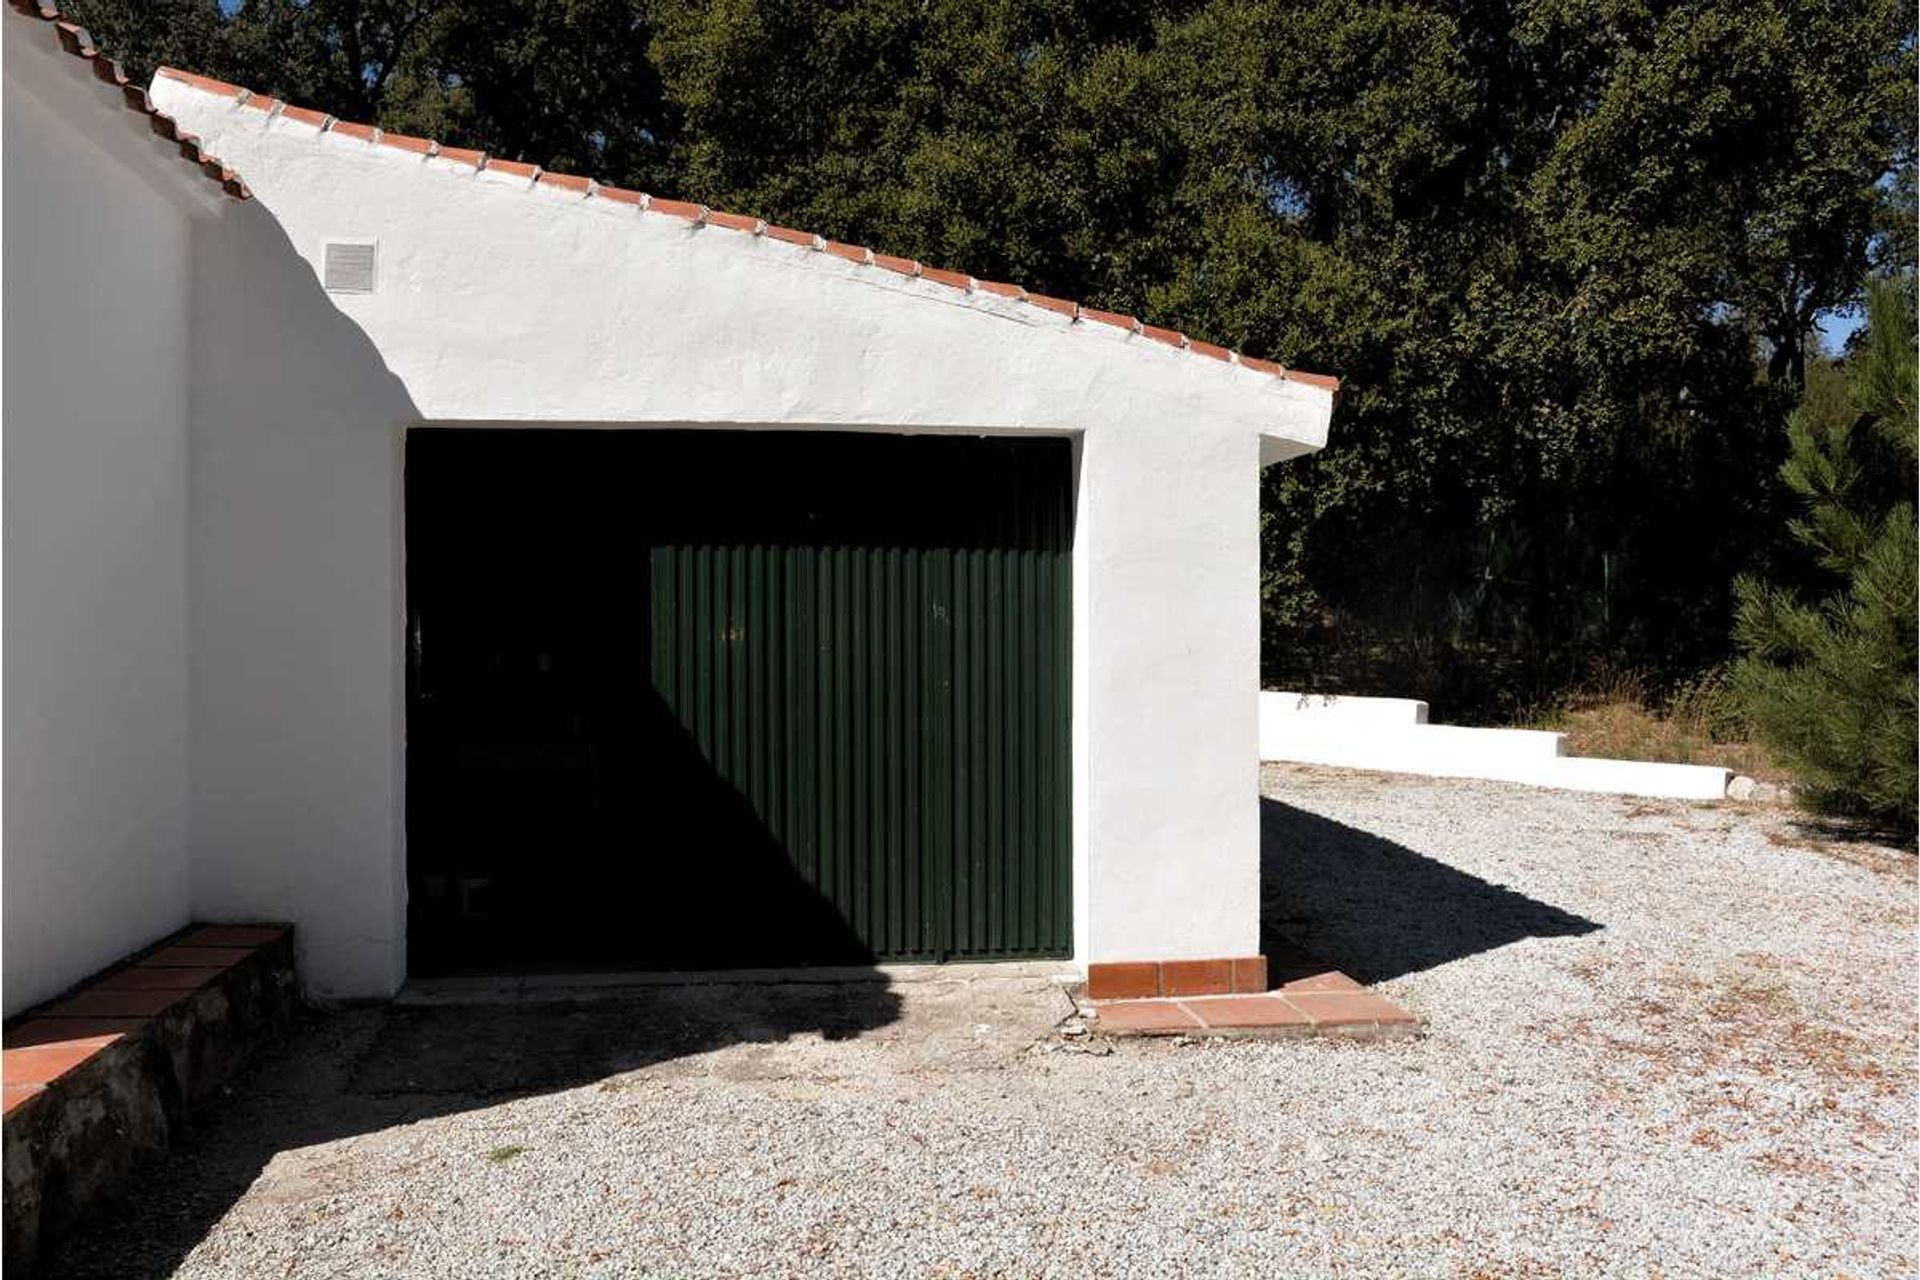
(712, 699)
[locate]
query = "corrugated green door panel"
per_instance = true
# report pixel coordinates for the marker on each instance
(893, 703)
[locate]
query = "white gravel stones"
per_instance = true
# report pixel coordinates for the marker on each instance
(1663, 1040)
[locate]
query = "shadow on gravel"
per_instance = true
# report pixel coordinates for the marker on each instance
(363, 1069)
(1375, 909)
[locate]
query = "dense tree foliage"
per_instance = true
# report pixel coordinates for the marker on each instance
(1831, 683)
(1567, 254)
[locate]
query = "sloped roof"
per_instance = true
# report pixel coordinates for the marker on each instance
(586, 188)
(75, 40)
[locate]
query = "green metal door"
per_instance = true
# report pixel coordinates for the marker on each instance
(894, 705)
(692, 699)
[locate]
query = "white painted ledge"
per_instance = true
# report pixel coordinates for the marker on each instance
(1392, 735)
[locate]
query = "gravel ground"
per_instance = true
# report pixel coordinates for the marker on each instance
(1665, 1040)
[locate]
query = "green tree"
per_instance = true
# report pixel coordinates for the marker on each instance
(1567, 255)
(1830, 682)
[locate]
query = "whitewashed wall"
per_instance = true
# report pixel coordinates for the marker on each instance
(497, 303)
(95, 445)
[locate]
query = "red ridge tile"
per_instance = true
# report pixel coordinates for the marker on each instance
(1324, 381)
(206, 84)
(1061, 305)
(1000, 288)
(802, 238)
(305, 115)
(733, 221)
(952, 279)
(406, 142)
(566, 181)
(851, 252)
(619, 195)
(1113, 318)
(677, 208)
(461, 155)
(905, 266)
(1172, 337)
(364, 132)
(513, 168)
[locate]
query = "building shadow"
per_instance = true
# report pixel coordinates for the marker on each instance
(1377, 910)
(367, 1068)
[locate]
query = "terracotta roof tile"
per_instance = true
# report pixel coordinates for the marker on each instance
(407, 142)
(1113, 318)
(513, 168)
(953, 279)
(303, 115)
(700, 215)
(460, 155)
(567, 182)
(677, 209)
(75, 40)
(1061, 305)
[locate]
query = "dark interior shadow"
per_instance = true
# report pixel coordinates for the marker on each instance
(1374, 909)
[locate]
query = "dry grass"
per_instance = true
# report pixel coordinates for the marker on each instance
(1614, 716)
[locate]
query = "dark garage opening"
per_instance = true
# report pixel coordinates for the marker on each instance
(711, 699)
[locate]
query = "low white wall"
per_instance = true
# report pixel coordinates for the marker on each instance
(1391, 735)
(96, 402)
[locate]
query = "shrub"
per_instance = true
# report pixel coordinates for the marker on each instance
(1829, 683)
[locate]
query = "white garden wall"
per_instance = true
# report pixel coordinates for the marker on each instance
(1392, 735)
(96, 501)
(498, 301)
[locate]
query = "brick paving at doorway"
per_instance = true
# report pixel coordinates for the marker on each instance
(1307, 998)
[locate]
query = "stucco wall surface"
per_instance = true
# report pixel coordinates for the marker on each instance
(496, 301)
(96, 513)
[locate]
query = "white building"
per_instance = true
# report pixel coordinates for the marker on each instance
(480, 567)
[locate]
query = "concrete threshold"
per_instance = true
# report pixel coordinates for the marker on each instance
(535, 988)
